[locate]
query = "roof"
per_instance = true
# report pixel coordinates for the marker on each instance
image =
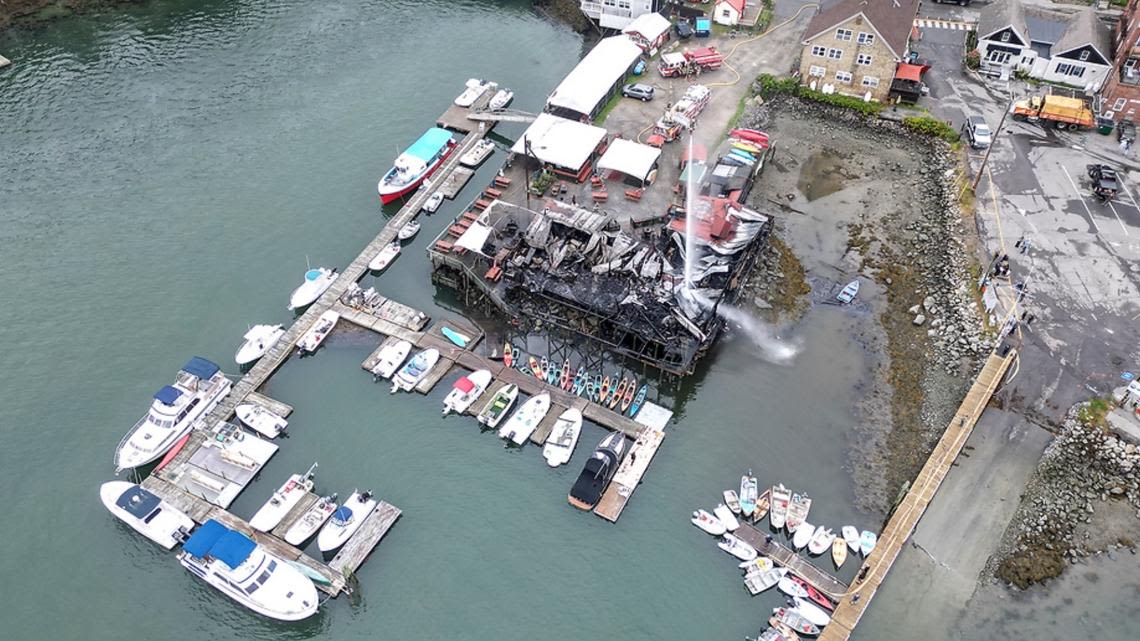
(735, 4)
(650, 26)
(996, 16)
(892, 19)
(560, 142)
(429, 144)
(200, 367)
(216, 540)
(138, 502)
(909, 72)
(1044, 29)
(167, 395)
(630, 158)
(589, 83)
(1085, 28)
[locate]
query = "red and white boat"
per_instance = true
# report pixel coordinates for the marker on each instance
(416, 163)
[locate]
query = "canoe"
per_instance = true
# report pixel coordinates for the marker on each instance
(748, 494)
(838, 552)
(762, 504)
(732, 501)
(619, 393)
(851, 535)
(567, 380)
(508, 354)
(638, 400)
(802, 536)
(629, 392)
(867, 542)
(172, 453)
(725, 515)
(605, 391)
(535, 368)
(460, 340)
(751, 135)
(311, 574)
(797, 510)
(737, 548)
(820, 540)
(795, 621)
(850, 290)
(813, 613)
(778, 512)
(707, 522)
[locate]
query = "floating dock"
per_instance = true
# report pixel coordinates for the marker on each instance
(636, 463)
(787, 557)
(455, 182)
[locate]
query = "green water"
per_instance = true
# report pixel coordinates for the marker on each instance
(165, 169)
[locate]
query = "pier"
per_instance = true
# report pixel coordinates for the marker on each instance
(787, 557)
(922, 491)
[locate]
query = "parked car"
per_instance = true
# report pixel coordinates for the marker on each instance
(977, 132)
(1126, 130)
(640, 91)
(684, 29)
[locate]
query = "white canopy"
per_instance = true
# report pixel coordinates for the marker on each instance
(588, 84)
(560, 142)
(650, 26)
(475, 237)
(630, 158)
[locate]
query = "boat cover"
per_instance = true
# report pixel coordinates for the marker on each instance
(138, 502)
(200, 367)
(167, 395)
(204, 538)
(464, 384)
(312, 274)
(343, 514)
(232, 548)
(429, 144)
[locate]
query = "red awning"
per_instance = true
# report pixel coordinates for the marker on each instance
(909, 72)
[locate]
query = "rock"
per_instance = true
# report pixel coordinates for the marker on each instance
(919, 320)
(915, 309)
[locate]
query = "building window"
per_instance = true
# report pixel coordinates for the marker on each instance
(1119, 104)
(997, 57)
(1084, 55)
(1005, 36)
(870, 81)
(843, 76)
(835, 54)
(863, 59)
(843, 34)
(866, 38)
(1071, 70)
(818, 72)
(819, 51)
(726, 14)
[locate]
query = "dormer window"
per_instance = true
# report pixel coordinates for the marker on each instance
(1085, 55)
(1005, 36)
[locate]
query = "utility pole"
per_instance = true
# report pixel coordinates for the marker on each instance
(993, 141)
(526, 172)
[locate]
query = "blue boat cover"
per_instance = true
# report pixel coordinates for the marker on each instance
(204, 538)
(167, 395)
(429, 144)
(312, 274)
(233, 548)
(200, 367)
(342, 514)
(138, 502)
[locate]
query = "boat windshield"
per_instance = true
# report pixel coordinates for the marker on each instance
(312, 274)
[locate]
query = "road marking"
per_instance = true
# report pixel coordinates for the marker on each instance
(1027, 221)
(997, 209)
(926, 23)
(1082, 198)
(1118, 218)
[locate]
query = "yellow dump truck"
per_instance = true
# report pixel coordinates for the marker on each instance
(1063, 112)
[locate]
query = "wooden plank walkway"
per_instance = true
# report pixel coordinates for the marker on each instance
(294, 514)
(787, 557)
(455, 118)
(455, 182)
(629, 474)
(358, 547)
(273, 405)
(922, 491)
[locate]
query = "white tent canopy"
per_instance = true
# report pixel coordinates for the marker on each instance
(475, 237)
(588, 84)
(650, 26)
(630, 158)
(560, 142)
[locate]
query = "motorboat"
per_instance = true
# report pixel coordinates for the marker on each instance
(261, 420)
(526, 418)
(725, 515)
(431, 205)
(283, 500)
(563, 438)
(391, 358)
(480, 152)
(318, 332)
(501, 99)
(867, 542)
(416, 163)
(778, 512)
(498, 406)
(797, 510)
(146, 513)
(257, 341)
(638, 400)
(456, 338)
(763, 502)
(812, 612)
(596, 474)
(248, 573)
(387, 254)
(838, 551)
(316, 282)
(413, 372)
(820, 541)
(851, 536)
(311, 520)
(474, 89)
(409, 230)
(762, 580)
(465, 390)
(346, 521)
(199, 387)
(707, 522)
(802, 536)
(850, 290)
(737, 548)
(748, 494)
(790, 587)
(759, 564)
(785, 633)
(732, 501)
(796, 621)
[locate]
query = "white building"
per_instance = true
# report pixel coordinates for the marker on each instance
(728, 12)
(598, 77)
(1075, 51)
(616, 14)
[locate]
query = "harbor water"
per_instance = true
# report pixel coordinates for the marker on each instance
(167, 171)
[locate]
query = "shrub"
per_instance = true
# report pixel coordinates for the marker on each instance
(770, 86)
(929, 126)
(973, 60)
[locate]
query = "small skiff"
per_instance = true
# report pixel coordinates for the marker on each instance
(311, 520)
(820, 541)
(319, 331)
(759, 564)
(385, 257)
(838, 552)
(409, 230)
(414, 371)
(737, 548)
(791, 588)
(849, 292)
(795, 621)
(460, 340)
(501, 99)
(391, 358)
(707, 522)
(508, 354)
(725, 515)
(867, 542)
(748, 494)
(433, 202)
(732, 501)
(316, 282)
(261, 420)
(802, 536)
(313, 575)
(563, 438)
(283, 500)
(499, 405)
(851, 535)
(797, 510)
(812, 612)
(784, 632)
(762, 504)
(526, 418)
(345, 521)
(757, 582)
(465, 390)
(779, 510)
(638, 400)
(480, 152)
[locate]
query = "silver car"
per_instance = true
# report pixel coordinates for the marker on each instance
(977, 132)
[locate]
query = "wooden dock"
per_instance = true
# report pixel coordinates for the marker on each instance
(455, 118)
(922, 491)
(787, 557)
(273, 405)
(302, 506)
(455, 182)
(651, 421)
(377, 524)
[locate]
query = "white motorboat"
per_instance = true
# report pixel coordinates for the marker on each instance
(261, 420)
(385, 257)
(258, 340)
(802, 535)
(465, 391)
(725, 515)
(759, 564)
(849, 292)
(810, 611)
(391, 358)
(796, 621)
(316, 282)
(737, 548)
(474, 89)
(197, 390)
(526, 418)
(748, 494)
(410, 374)
(851, 536)
(563, 438)
(791, 588)
(499, 405)
(410, 229)
(501, 99)
(146, 513)
(797, 510)
(867, 542)
(248, 573)
(283, 500)
(820, 541)
(346, 521)
(757, 582)
(778, 511)
(480, 152)
(707, 522)
(311, 520)
(433, 202)
(732, 501)
(320, 330)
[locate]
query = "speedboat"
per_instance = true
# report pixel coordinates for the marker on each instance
(498, 406)
(732, 501)
(725, 515)
(597, 472)
(409, 230)
(797, 510)
(471, 93)
(197, 390)
(526, 418)
(258, 340)
(315, 335)
(391, 357)
(465, 391)
(802, 535)
(417, 368)
(248, 573)
(261, 420)
(761, 580)
(779, 510)
(748, 494)
(478, 153)
(146, 513)
(812, 612)
(433, 202)
(707, 522)
(867, 542)
(346, 521)
(850, 290)
(563, 438)
(838, 552)
(762, 504)
(311, 520)
(851, 536)
(638, 400)
(501, 99)
(388, 254)
(820, 540)
(316, 282)
(283, 500)
(416, 163)
(796, 621)
(737, 548)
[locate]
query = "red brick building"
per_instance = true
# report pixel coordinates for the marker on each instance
(1121, 93)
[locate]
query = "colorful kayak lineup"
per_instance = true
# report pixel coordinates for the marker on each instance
(617, 392)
